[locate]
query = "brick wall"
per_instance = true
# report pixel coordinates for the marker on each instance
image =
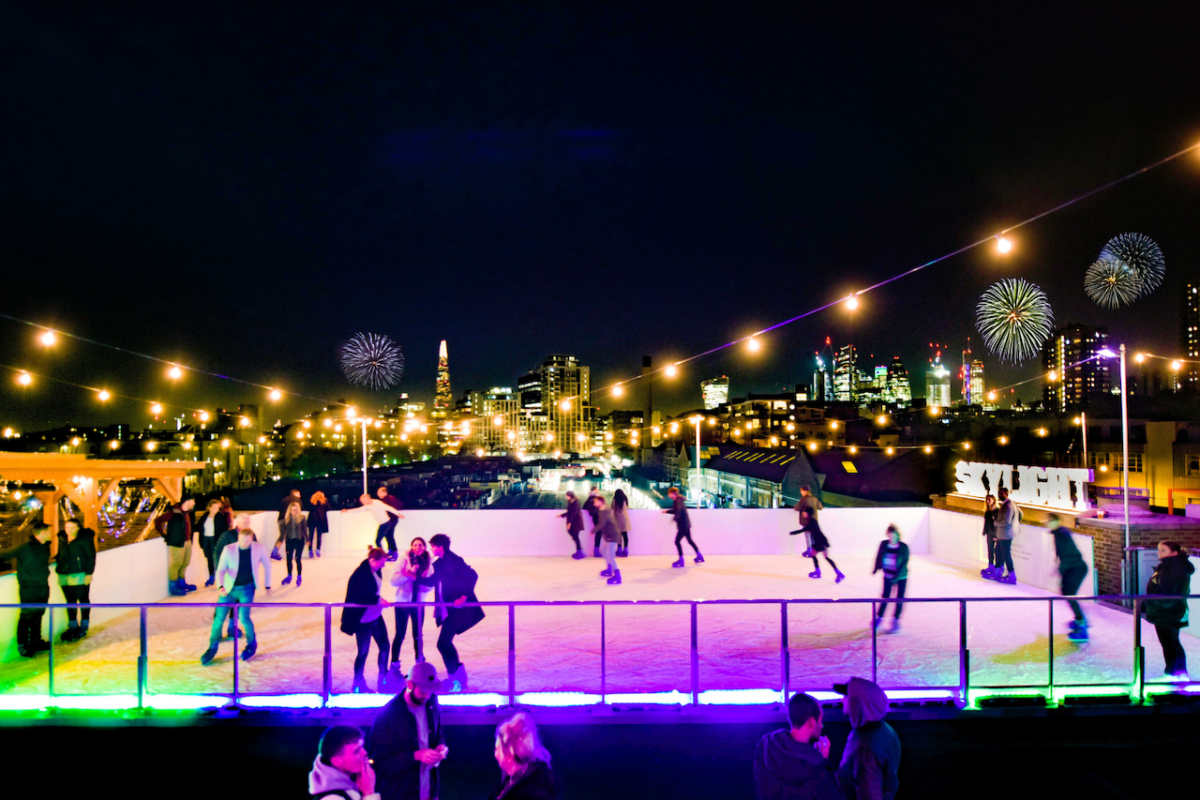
(1109, 547)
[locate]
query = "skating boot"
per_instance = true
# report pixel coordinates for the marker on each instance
(840, 576)
(895, 626)
(615, 580)
(1076, 624)
(816, 573)
(176, 589)
(807, 553)
(595, 552)
(360, 685)
(1010, 578)
(318, 554)
(249, 652)
(208, 656)
(211, 580)
(188, 587)
(606, 573)
(71, 634)
(299, 580)
(878, 621)
(394, 555)
(286, 581)
(988, 572)
(699, 559)
(679, 564)
(578, 555)
(1078, 635)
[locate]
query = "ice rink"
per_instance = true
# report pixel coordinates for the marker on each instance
(647, 647)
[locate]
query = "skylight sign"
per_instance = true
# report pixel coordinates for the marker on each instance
(1050, 487)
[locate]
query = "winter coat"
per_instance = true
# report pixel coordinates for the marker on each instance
(294, 529)
(287, 501)
(573, 516)
(1008, 519)
(362, 589)
(813, 528)
(1069, 557)
(392, 743)
(785, 769)
(77, 557)
(32, 561)
(989, 521)
(221, 523)
(811, 503)
(589, 506)
(606, 525)
(536, 782)
(328, 781)
(175, 526)
(454, 579)
(318, 518)
(679, 511)
(622, 519)
(901, 561)
(872, 755)
(230, 559)
(423, 583)
(1172, 576)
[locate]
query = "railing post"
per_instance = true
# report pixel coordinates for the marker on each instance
(512, 655)
(695, 659)
(785, 658)
(236, 631)
(1139, 652)
(327, 661)
(143, 662)
(1050, 654)
(874, 645)
(964, 655)
(50, 682)
(603, 655)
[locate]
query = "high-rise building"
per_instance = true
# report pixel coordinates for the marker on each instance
(496, 415)
(937, 383)
(1189, 334)
(898, 390)
(558, 393)
(845, 374)
(1070, 353)
(973, 383)
(715, 392)
(443, 401)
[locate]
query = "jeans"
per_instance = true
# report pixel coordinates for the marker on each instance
(29, 620)
(609, 551)
(387, 531)
(363, 634)
(1173, 654)
(445, 646)
(900, 585)
(1072, 579)
(239, 594)
(1004, 554)
(403, 615)
(685, 533)
(294, 547)
(209, 545)
(75, 595)
(314, 537)
(993, 561)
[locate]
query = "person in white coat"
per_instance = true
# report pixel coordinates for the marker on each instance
(238, 579)
(408, 581)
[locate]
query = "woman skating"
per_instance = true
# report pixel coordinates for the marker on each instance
(574, 518)
(820, 545)
(610, 538)
(318, 522)
(216, 520)
(892, 558)
(683, 527)
(1172, 576)
(294, 532)
(415, 566)
(620, 507)
(365, 622)
(75, 565)
(989, 532)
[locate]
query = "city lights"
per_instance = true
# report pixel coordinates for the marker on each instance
(833, 426)
(299, 434)
(1042, 432)
(203, 416)
(328, 423)
(991, 396)
(156, 409)
(24, 379)
(114, 444)
(306, 424)
(351, 412)
(479, 452)
(225, 444)
(498, 421)
(1003, 245)
(674, 427)
(656, 430)
(275, 395)
(48, 338)
(151, 445)
(565, 405)
(852, 301)
(1003, 440)
(512, 436)
(9, 433)
(174, 373)
(379, 424)
(262, 440)
(737, 431)
(966, 445)
(1176, 365)
(812, 446)
(934, 410)
(103, 395)
(558, 453)
(75, 441)
(549, 437)
(882, 419)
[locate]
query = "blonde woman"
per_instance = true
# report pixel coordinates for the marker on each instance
(524, 763)
(294, 532)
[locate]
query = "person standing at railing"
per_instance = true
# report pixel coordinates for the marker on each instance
(892, 558)
(589, 506)
(294, 532)
(606, 525)
(318, 522)
(175, 526)
(407, 741)
(574, 518)
(238, 579)
(1172, 576)
(989, 534)
(32, 561)
(871, 758)
(364, 620)
(1072, 569)
(620, 507)
(408, 580)
(214, 522)
(683, 526)
(811, 504)
(75, 564)
(1008, 521)
(793, 763)
(455, 582)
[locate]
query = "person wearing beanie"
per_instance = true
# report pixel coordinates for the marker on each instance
(871, 758)
(75, 564)
(342, 768)
(407, 740)
(793, 763)
(32, 562)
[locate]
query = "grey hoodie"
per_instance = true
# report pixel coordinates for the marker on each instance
(872, 754)
(325, 779)
(785, 769)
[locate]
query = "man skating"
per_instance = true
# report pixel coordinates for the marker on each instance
(238, 578)
(1073, 570)
(455, 583)
(683, 527)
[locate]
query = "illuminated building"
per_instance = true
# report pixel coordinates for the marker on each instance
(1074, 381)
(845, 374)
(494, 413)
(715, 392)
(554, 405)
(973, 393)
(1190, 335)
(443, 401)
(937, 383)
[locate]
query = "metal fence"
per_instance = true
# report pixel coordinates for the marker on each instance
(961, 693)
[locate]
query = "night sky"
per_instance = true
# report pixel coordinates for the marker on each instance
(242, 189)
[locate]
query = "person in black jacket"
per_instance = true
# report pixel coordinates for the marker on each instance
(574, 518)
(524, 762)
(892, 558)
(407, 742)
(32, 559)
(589, 506)
(175, 526)
(871, 758)
(989, 533)
(1172, 576)
(365, 622)
(214, 522)
(318, 522)
(455, 583)
(1073, 570)
(683, 526)
(75, 565)
(792, 763)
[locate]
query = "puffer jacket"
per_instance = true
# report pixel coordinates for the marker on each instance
(1172, 576)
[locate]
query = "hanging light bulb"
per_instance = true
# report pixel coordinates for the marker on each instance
(671, 371)
(174, 373)
(752, 345)
(565, 405)
(156, 409)
(1140, 357)
(853, 450)
(928, 449)
(24, 379)
(498, 421)
(1003, 245)
(203, 416)
(852, 301)
(275, 395)
(48, 338)
(890, 450)
(103, 395)
(306, 424)
(618, 390)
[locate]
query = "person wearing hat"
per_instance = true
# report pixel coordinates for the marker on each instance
(871, 758)
(793, 763)
(32, 558)
(407, 742)
(342, 768)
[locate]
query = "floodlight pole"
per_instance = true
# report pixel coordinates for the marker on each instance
(1125, 448)
(364, 449)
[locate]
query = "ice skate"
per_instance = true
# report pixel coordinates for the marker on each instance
(286, 581)
(1078, 635)
(1010, 578)
(208, 656)
(615, 580)
(699, 559)
(816, 573)
(606, 573)
(679, 564)
(595, 552)
(895, 626)
(578, 555)
(807, 553)
(841, 576)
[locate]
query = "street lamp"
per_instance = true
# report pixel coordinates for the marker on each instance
(696, 420)
(1108, 353)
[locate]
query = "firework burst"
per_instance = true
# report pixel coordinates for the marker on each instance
(1111, 283)
(1014, 318)
(372, 360)
(1142, 254)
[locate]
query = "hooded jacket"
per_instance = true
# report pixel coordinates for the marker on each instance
(872, 754)
(327, 780)
(393, 743)
(785, 769)
(77, 557)
(1172, 576)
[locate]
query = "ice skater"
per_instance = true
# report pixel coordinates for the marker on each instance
(589, 506)
(892, 558)
(408, 580)
(455, 582)
(238, 579)
(620, 507)
(1008, 521)
(1172, 576)
(574, 518)
(812, 505)
(386, 515)
(989, 533)
(364, 619)
(293, 531)
(683, 527)
(1072, 570)
(75, 564)
(606, 525)
(318, 522)
(820, 545)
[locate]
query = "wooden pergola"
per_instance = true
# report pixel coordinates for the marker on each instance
(87, 481)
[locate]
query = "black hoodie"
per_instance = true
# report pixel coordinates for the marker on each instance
(872, 755)
(785, 769)
(1172, 576)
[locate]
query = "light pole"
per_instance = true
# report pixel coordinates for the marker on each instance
(696, 420)
(364, 421)
(1108, 353)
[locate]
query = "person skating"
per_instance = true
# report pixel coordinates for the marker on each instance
(388, 530)
(342, 769)
(524, 763)
(409, 582)
(820, 545)
(241, 522)
(871, 758)
(364, 619)
(683, 526)
(606, 527)
(1172, 577)
(407, 740)
(318, 522)
(385, 515)
(620, 508)
(1072, 569)
(175, 527)
(589, 506)
(574, 518)
(989, 534)
(810, 503)
(892, 558)
(214, 522)
(294, 533)
(292, 497)
(455, 583)
(32, 562)
(1008, 521)
(75, 564)
(793, 763)
(238, 579)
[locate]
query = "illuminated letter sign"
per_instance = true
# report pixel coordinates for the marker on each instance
(1035, 486)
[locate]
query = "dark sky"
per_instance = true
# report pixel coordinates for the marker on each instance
(243, 189)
